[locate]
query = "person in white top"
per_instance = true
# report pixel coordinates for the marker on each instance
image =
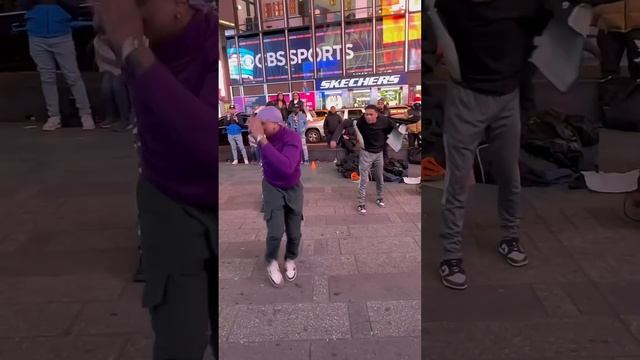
(114, 90)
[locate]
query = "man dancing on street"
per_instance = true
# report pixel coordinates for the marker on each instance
(282, 189)
(374, 129)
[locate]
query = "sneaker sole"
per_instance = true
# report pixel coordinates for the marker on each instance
(276, 285)
(293, 278)
(515, 264)
(454, 287)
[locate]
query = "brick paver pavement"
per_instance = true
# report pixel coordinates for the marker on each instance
(579, 298)
(357, 295)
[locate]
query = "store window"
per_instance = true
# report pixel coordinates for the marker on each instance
(250, 55)
(272, 14)
(299, 12)
(300, 54)
(275, 58)
(359, 44)
(358, 9)
(233, 57)
(247, 15)
(415, 41)
(390, 7)
(329, 50)
(390, 39)
(327, 11)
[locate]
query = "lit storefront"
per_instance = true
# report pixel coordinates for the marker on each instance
(332, 52)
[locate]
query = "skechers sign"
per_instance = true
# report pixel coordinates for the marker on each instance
(365, 81)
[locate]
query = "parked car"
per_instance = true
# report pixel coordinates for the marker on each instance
(315, 130)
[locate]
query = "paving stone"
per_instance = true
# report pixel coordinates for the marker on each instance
(327, 265)
(18, 320)
(243, 250)
(587, 337)
(388, 263)
(39, 289)
(258, 290)
(395, 318)
(390, 230)
(320, 289)
(624, 298)
(241, 235)
(138, 348)
(62, 348)
(482, 303)
(367, 349)
(356, 219)
(235, 268)
(291, 322)
(86, 239)
(369, 287)
(360, 320)
(382, 245)
(112, 318)
(324, 247)
(281, 350)
(556, 301)
(226, 318)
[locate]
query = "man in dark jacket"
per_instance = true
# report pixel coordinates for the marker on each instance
(330, 125)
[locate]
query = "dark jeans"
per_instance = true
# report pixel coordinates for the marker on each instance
(283, 214)
(180, 262)
(613, 45)
(116, 97)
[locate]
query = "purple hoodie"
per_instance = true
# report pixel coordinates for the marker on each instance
(281, 157)
(175, 102)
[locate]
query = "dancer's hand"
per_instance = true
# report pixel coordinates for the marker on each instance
(255, 127)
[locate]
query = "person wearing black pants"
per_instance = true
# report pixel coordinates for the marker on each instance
(620, 31)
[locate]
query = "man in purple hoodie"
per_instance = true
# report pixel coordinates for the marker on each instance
(174, 90)
(282, 190)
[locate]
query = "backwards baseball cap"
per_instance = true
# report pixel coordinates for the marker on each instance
(270, 114)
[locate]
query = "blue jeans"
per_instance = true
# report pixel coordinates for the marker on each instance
(60, 51)
(255, 153)
(236, 142)
(116, 96)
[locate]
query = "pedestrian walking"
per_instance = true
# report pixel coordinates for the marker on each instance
(298, 122)
(51, 46)
(234, 134)
(282, 190)
(330, 125)
(375, 130)
(174, 85)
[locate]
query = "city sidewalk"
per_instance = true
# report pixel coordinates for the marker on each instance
(579, 297)
(357, 295)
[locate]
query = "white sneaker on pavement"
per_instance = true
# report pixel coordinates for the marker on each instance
(235, 162)
(246, 162)
(273, 272)
(87, 122)
(52, 124)
(290, 270)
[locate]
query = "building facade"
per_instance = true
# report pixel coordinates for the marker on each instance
(343, 53)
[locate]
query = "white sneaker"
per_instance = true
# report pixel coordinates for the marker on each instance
(235, 162)
(290, 270)
(273, 272)
(87, 122)
(246, 162)
(52, 124)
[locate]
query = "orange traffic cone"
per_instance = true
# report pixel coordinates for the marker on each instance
(355, 177)
(314, 165)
